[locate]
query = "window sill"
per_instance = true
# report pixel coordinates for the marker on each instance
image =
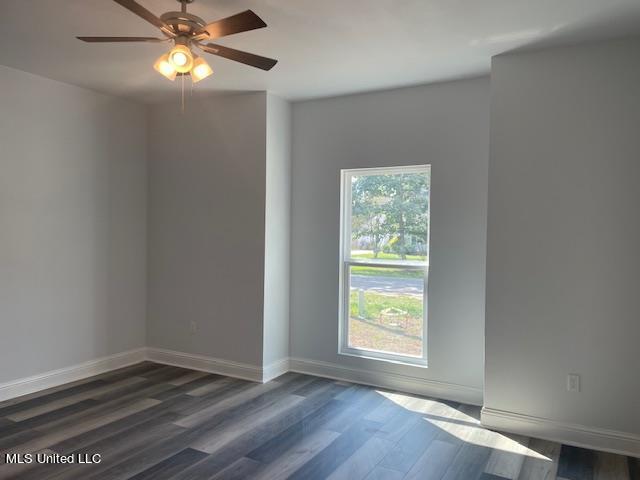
(418, 363)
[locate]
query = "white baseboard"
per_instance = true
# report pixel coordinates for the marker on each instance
(394, 381)
(205, 364)
(53, 378)
(275, 369)
(622, 443)
(446, 391)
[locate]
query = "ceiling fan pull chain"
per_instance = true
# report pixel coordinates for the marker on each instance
(182, 92)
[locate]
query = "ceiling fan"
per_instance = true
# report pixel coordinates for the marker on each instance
(185, 31)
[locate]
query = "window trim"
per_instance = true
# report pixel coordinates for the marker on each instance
(346, 262)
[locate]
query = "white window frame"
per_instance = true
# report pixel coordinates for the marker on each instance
(346, 262)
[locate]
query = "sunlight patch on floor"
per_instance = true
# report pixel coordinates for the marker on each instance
(461, 424)
(476, 434)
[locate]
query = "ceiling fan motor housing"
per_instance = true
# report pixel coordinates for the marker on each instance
(184, 23)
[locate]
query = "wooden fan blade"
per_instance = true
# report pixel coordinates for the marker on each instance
(142, 12)
(251, 59)
(120, 39)
(242, 22)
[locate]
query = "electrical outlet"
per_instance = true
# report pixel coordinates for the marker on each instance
(573, 382)
(193, 327)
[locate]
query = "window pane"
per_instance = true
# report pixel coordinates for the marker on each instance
(390, 216)
(386, 310)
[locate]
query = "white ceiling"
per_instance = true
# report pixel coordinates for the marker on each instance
(324, 47)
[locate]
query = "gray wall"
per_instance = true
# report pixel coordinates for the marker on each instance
(445, 125)
(72, 225)
(563, 235)
(277, 230)
(206, 226)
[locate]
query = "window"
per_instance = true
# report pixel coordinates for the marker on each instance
(384, 263)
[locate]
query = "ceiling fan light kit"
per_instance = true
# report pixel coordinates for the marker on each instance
(187, 31)
(201, 70)
(181, 58)
(164, 67)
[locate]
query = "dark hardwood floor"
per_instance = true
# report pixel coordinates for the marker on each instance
(159, 422)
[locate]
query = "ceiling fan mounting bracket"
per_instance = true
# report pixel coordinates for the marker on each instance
(185, 1)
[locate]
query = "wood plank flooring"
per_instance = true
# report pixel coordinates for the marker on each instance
(151, 421)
